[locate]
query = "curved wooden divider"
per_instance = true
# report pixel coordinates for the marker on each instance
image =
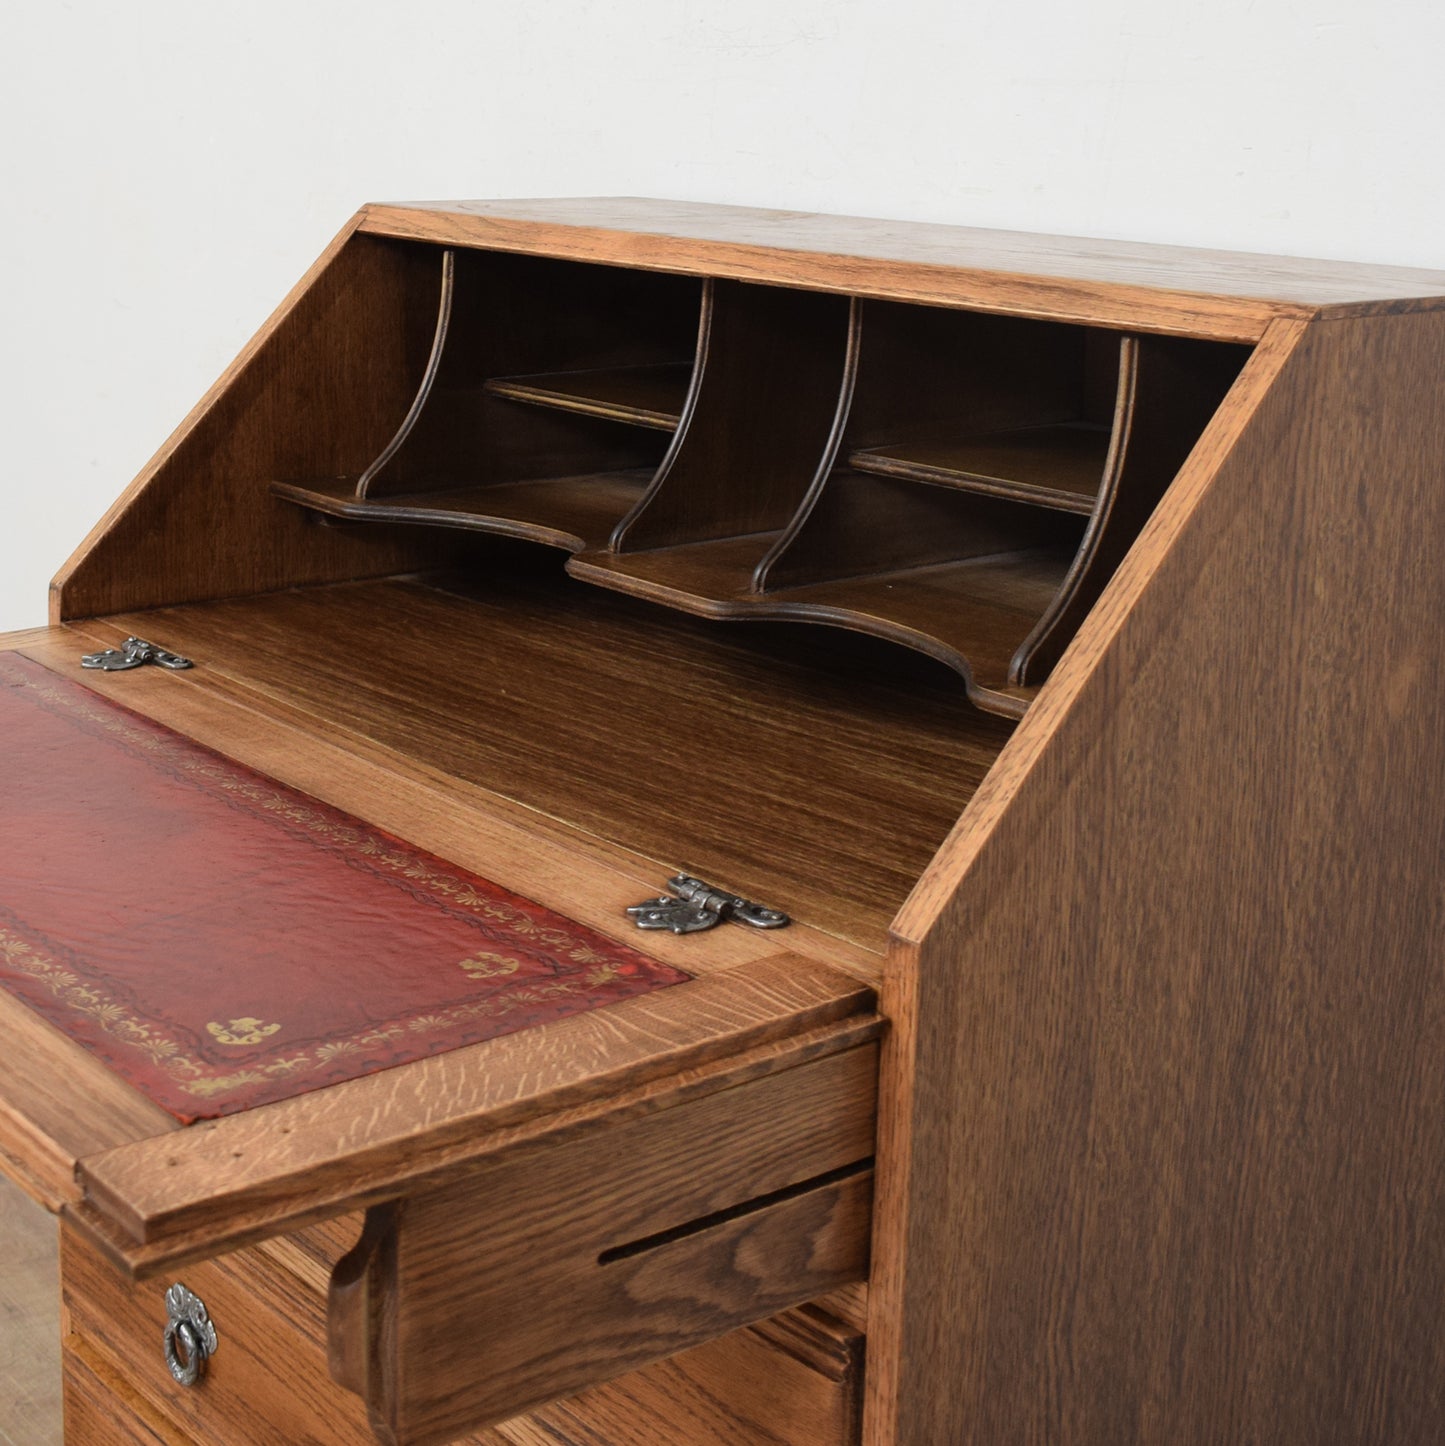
(969, 502)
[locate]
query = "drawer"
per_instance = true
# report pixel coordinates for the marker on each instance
(792, 1380)
(267, 1381)
(100, 1411)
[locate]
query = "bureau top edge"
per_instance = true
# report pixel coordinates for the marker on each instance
(1171, 289)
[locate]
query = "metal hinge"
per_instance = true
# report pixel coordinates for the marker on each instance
(695, 905)
(132, 654)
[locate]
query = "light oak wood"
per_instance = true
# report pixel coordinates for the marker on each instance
(500, 685)
(226, 1182)
(1207, 1138)
(1056, 465)
(1070, 278)
(58, 1103)
(341, 341)
(562, 867)
(794, 1380)
(1156, 1160)
(267, 1384)
(799, 1372)
(568, 512)
(647, 396)
(100, 1410)
(682, 1224)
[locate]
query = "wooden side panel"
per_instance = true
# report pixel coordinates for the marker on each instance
(1166, 1159)
(317, 393)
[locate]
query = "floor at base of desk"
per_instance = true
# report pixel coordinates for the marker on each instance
(29, 1323)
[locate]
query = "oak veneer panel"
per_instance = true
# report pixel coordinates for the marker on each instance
(1171, 1101)
(820, 779)
(504, 315)
(707, 579)
(101, 1411)
(1231, 296)
(1170, 390)
(514, 846)
(772, 372)
(971, 614)
(268, 1383)
(316, 393)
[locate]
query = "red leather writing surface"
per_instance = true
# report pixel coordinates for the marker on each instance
(223, 941)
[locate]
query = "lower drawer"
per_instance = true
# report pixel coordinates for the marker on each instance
(792, 1380)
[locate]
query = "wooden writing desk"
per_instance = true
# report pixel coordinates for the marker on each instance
(1087, 725)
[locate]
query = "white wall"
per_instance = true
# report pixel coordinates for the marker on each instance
(169, 169)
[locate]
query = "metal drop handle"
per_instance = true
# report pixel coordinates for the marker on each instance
(190, 1339)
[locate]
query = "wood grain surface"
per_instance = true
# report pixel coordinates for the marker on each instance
(101, 1410)
(1227, 295)
(58, 1103)
(820, 778)
(637, 1240)
(267, 1384)
(794, 1380)
(506, 315)
(771, 379)
(227, 1182)
(316, 393)
(1176, 1166)
(534, 853)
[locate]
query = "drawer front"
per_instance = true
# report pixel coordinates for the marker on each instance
(266, 1385)
(99, 1411)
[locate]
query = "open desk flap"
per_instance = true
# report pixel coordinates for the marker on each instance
(221, 941)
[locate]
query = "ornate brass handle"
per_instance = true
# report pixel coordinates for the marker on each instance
(190, 1338)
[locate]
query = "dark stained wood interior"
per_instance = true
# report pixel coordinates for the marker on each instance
(650, 396)
(568, 512)
(818, 771)
(515, 317)
(1058, 464)
(958, 482)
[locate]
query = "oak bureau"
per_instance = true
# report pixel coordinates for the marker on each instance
(661, 823)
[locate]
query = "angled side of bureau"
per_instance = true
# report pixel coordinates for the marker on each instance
(1165, 1159)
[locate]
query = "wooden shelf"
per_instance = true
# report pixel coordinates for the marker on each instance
(709, 579)
(645, 396)
(568, 512)
(971, 615)
(1059, 466)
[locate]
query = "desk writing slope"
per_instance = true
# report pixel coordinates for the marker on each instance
(1086, 726)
